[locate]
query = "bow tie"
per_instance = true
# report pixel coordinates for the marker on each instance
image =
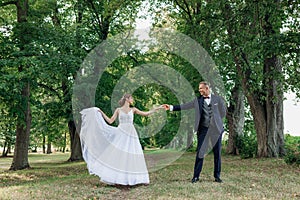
(205, 97)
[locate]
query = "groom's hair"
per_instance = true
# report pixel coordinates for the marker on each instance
(204, 83)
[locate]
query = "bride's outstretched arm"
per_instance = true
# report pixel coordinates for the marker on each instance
(147, 113)
(110, 120)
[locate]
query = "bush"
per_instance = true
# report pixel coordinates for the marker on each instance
(247, 145)
(292, 147)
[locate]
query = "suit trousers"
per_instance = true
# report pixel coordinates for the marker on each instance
(201, 134)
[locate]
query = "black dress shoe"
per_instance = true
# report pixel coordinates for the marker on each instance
(195, 179)
(218, 180)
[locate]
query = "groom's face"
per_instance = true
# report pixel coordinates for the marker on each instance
(203, 89)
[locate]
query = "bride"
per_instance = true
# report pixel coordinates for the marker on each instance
(114, 153)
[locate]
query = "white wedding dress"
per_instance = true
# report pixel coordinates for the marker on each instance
(112, 153)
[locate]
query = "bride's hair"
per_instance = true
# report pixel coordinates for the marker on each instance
(123, 99)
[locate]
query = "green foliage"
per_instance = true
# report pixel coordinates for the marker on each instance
(168, 132)
(247, 145)
(59, 34)
(47, 51)
(292, 147)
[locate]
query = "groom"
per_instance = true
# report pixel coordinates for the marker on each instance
(210, 111)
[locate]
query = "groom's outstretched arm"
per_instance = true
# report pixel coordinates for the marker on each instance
(184, 106)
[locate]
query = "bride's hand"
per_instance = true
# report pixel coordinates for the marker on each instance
(159, 107)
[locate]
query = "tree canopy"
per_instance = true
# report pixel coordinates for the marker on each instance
(254, 44)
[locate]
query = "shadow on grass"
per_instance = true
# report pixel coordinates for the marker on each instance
(42, 168)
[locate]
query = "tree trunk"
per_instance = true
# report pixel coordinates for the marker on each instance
(260, 124)
(20, 160)
(65, 142)
(280, 126)
(267, 111)
(268, 114)
(273, 86)
(274, 109)
(8, 151)
(76, 153)
(44, 144)
(4, 152)
(49, 151)
(236, 119)
(257, 109)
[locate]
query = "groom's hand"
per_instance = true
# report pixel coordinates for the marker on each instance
(166, 106)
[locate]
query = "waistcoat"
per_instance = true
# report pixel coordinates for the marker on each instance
(205, 115)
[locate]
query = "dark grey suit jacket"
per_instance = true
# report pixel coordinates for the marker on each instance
(218, 111)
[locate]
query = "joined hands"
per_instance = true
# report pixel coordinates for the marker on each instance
(163, 106)
(166, 106)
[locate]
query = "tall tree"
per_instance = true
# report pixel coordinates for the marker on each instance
(235, 118)
(103, 18)
(23, 111)
(253, 34)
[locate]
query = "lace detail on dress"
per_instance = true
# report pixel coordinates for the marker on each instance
(125, 117)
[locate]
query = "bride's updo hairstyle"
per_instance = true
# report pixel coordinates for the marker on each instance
(123, 99)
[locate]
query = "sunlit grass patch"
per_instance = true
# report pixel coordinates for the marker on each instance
(53, 177)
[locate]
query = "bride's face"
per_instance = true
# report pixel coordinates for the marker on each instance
(130, 100)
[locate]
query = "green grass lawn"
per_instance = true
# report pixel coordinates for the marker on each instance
(51, 177)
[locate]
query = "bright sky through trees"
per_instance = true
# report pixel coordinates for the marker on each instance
(291, 114)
